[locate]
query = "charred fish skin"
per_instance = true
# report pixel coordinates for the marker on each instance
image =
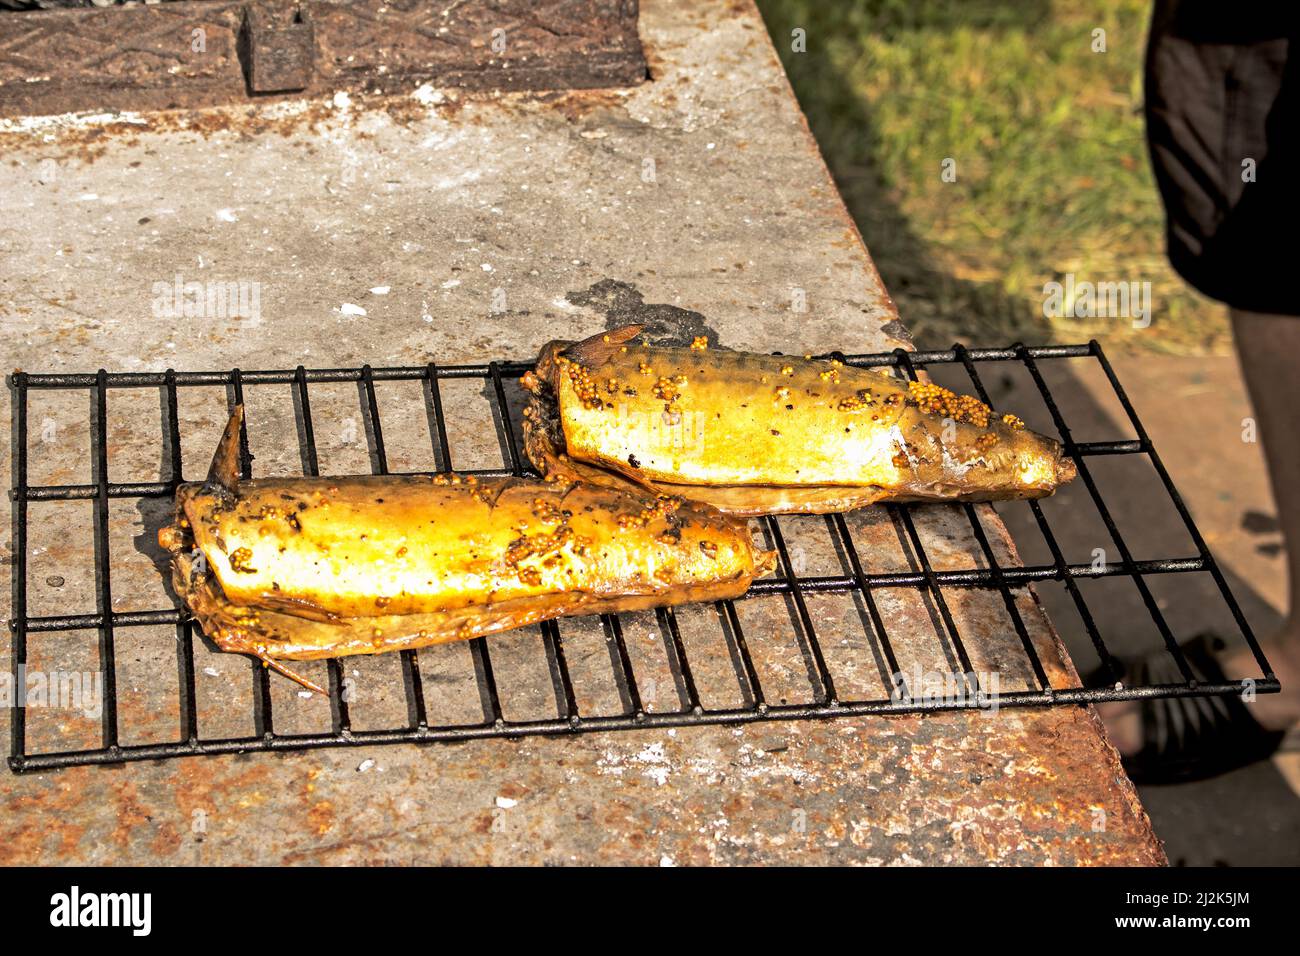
(756, 434)
(304, 568)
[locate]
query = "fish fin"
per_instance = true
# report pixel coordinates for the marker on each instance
(297, 607)
(630, 475)
(224, 472)
(296, 678)
(597, 349)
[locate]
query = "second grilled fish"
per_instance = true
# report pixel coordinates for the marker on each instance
(763, 434)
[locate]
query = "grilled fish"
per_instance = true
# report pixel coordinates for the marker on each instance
(765, 434)
(306, 568)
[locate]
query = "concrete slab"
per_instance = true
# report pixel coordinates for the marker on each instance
(456, 227)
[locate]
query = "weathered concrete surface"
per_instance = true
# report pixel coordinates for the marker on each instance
(496, 223)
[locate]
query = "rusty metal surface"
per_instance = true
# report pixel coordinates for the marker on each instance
(191, 54)
(430, 214)
(279, 44)
(916, 790)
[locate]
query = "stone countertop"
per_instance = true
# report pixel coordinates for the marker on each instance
(467, 227)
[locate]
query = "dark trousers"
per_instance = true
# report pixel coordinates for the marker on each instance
(1223, 117)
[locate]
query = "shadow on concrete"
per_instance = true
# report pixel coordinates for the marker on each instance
(1246, 817)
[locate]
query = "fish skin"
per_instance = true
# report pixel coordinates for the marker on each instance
(762, 434)
(305, 568)
(268, 633)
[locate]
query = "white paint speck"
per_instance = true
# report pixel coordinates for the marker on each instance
(212, 672)
(365, 765)
(505, 803)
(655, 762)
(347, 308)
(380, 290)
(227, 215)
(666, 860)
(451, 283)
(427, 95)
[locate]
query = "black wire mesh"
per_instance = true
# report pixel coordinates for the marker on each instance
(938, 585)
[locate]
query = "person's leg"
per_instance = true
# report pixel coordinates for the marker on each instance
(1268, 348)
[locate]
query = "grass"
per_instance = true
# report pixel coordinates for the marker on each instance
(1052, 175)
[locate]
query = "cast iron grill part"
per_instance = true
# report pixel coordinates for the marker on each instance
(939, 585)
(143, 56)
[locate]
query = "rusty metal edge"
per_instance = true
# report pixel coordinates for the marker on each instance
(619, 62)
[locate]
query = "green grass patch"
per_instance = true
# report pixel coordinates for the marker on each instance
(1052, 175)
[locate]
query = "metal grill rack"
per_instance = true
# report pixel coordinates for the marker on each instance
(938, 585)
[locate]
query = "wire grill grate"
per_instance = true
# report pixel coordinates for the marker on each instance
(937, 585)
